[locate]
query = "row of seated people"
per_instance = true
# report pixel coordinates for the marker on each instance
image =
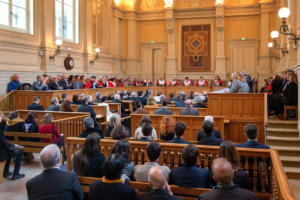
(117, 170)
(63, 82)
(282, 90)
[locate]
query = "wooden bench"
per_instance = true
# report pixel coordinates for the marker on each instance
(2, 165)
(99, 110)
(193, 124)
(175, 110)
(286, 108)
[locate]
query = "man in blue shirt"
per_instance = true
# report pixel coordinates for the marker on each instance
(14, 83)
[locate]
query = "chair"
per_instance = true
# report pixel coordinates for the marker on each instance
(286, 108)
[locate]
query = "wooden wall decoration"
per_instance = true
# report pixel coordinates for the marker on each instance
(195, 43)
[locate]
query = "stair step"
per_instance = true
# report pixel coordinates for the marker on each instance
(292, 172)
(286, 132)
(271, 121)
(290, 161)
(289, 139)
(285, 148)
(283, 130)
(283, 141)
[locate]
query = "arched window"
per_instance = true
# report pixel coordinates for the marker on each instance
(17, 15)
(66, 20)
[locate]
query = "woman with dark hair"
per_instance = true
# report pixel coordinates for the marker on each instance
(111, 186)
(138, 132)
(227, 150)
(167, 129)
(76, 99)
(30, 125)
(14, 123)
(71, 81)
(66, 106)
(88, 160)
(122, 148)
(82, 82)
(119, 133)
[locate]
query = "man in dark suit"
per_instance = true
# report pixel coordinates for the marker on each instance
(89, 128)
(139, 108)
(54, 85)
(189, 175)
(63, 83)
(64, 97)
(160, 187)
(163, 110)
(251, 133)
(36, 104)
(179, 132)
(7, 152)
(54, 105)
(208, 138)
(85, 107)
(216, 133)
(53, 183)
(117, 99)
(225, 189)
(188, 110)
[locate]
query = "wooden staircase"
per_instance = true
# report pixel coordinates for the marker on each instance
(283, 135)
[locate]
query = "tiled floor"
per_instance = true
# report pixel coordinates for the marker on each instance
(16, 190)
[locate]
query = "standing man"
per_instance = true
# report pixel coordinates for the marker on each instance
(14, 83)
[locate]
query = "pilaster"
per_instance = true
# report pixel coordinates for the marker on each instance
(132, 62)
(171, 59)
(220, 57)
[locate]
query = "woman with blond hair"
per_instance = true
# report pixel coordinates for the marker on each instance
(239, 84)
(167, 129)
(138, 132)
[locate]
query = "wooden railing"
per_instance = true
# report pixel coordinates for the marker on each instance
(175, 110)
(6, 102)
(257, 163)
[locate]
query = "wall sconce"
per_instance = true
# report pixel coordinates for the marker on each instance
(275, 45)
(97, 57)
(117, 2)
(219, 2)
(58, 43)
(284, 13)
(168, 3)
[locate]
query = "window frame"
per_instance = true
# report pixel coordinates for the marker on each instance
(75, 22)
(29, 13)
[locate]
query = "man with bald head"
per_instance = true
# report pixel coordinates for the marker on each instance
(53, 183)
(189, 110)
(160, 187)
(225, 189)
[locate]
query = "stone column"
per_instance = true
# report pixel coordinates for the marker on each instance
(171, 59)
(117, 45)
(220, 68)
(132, 62)
(297, 69)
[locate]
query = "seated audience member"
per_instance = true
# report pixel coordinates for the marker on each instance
(147, 132)
(36, 104)
(119, 132)
(89, 128)
(85, 107)
(151, 101)
(54, 105)
(76, 99)
(163, 110)
(138, 132)
(48, 129)
(115, 120)
(53, 183)
(251, 133)
(40, 84)
(111, 186)
(139, 108)
(179, 132)
(30, 126)
(189, 175)
(7, 153)
(223, 173)
(276, 84)
(117, 99)
(98, 98)
(153, 153)
(160, 188)
(208, 138)
(122, 148)
(216, 133)
(92, 83)
(14, 84)
(88, 160)
(180, 101)
(228, 151)
(171, 97)
(2, 121)
(239, 84)
(188, 110)
(54, 85)
(103, 103)
(167, 129)
(199, 102)
(64, 83)
(14, 123)
(64, 97)
(66, 106)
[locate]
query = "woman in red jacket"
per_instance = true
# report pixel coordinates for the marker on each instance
(46, 128)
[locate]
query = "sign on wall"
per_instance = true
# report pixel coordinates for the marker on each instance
(196, 48)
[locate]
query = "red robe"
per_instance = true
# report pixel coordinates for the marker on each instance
(111, 84)
(204, 83)
(184, 84)
(173, 83)
(161, 84)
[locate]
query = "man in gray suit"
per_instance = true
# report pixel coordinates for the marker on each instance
(54, 105)
(153, 153)
(188, 110)
(40, 84)
(163, 110)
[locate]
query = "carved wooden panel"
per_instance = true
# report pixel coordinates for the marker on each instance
(195, 43)
(181, 4)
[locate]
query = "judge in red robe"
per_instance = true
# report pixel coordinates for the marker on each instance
(201, 82)
(161, 82)
(187, 82)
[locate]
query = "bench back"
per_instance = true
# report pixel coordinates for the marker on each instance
(99, 110)
(193, 124)
(175, 110)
